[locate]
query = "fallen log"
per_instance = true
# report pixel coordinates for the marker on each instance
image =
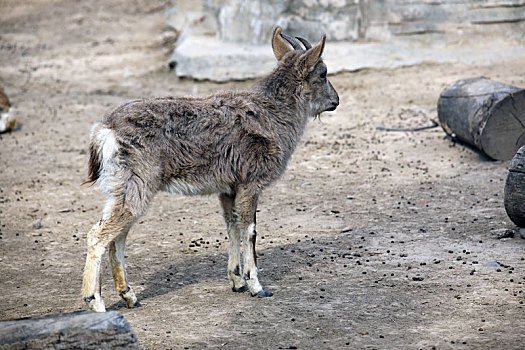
(514, 193)
(77, 330)
(485, 114)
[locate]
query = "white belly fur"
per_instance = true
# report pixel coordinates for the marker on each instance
(185, 188)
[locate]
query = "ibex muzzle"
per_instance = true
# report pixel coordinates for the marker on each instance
(233, 143)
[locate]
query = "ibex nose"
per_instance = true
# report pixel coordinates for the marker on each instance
(334, 100)
(334, 103)
(333, 106)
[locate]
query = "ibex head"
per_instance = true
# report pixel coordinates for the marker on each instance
(307, 67)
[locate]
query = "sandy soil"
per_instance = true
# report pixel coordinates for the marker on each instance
(372, 239)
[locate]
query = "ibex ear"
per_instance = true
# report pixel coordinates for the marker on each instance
(279, 46)
(309, 59)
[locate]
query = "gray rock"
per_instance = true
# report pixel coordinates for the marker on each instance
(204, 58)
(229, 39)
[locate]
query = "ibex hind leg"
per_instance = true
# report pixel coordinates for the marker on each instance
(118, 269)
(91, 287)
(115, 222)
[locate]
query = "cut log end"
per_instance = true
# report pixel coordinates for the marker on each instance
(504, 131)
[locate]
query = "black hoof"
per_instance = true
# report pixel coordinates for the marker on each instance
(136, 305)
(262, 294)
(241, 289)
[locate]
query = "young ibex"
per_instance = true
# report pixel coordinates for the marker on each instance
(232, 143)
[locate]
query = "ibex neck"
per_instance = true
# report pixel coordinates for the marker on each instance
(289, 112)
(280, 87)
(285, 91)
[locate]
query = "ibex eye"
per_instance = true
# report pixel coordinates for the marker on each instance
(323, 75)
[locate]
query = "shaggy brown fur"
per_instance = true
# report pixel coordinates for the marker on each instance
(231, 143)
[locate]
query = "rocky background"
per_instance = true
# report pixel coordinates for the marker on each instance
(239, 32)
(251, 21)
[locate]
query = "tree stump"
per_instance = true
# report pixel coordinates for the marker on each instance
(514, 197)
(485, 114)
(77, 330)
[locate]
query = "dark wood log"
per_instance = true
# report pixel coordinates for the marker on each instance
(485, 114)
(77, 330)
(514, 195)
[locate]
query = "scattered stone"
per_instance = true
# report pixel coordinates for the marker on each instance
(503, 233)
(37, 224)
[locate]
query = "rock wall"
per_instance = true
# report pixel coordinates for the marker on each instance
(386, 19)
(229, 39)
(250, 21)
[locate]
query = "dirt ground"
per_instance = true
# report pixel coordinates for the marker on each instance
(371, 239)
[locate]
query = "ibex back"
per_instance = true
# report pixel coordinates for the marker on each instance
(233, 143)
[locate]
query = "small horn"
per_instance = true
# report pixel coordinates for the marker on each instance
(305, 42)
(295, 44)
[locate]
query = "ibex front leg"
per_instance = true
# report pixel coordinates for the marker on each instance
(246, 202)
(234, 256)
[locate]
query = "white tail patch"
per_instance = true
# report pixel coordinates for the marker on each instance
(105, 139)
(106, 143)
